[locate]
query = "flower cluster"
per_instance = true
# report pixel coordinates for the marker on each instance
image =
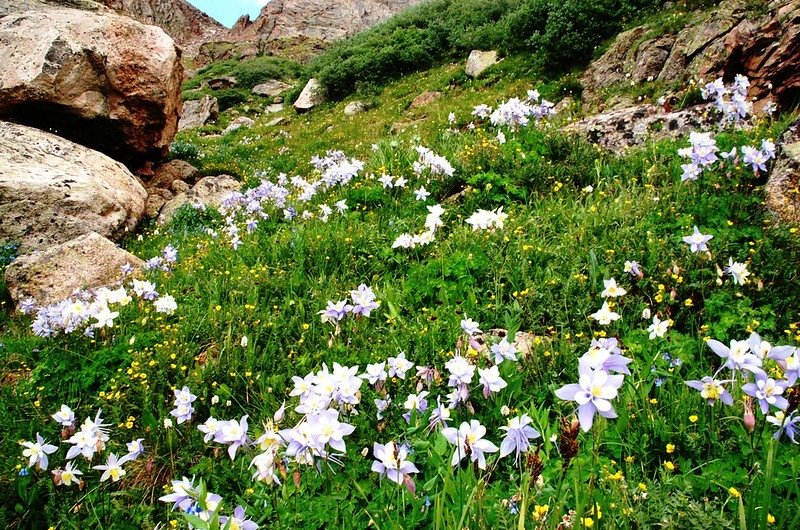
(515, 112)
(487, 219)
(731, 101)
(364, 303)
(201, 503)
(702, 153)
(429, 161)
(745, 361)
(87, 311)
(433, 221)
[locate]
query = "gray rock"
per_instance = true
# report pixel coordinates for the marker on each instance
(354, 107)
(53, 190)
(209, 191)
(272, 109)
(479, 61)
(238, 123)
(276, 121)
(51, 275)
(271, 88)
(310, 97)
(198, 112)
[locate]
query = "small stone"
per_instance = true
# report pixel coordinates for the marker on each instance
(179, 186)
(354, 107)
(424, 99)
(238, 123)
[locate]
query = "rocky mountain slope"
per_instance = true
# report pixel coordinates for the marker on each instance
(189, 26)
(316, 19)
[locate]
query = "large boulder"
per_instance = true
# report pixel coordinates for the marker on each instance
(783, 185)
(198, 112)
(51, 275)
(479, 61)
(209, 191)
(102, 80)
(52, 190)
(310, 97)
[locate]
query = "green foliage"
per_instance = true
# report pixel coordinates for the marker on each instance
(248, 73)
(561, 34)
(183, 151)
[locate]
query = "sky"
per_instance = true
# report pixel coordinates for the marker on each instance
(228, 11)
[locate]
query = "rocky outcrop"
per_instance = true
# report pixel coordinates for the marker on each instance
(761, 42)
(479, 61)
(620, 129)
(102, 80)
(783, 185)
(198, 112)
(51, 275)
(189, 26)
(208, 191)
(323, 20)
(52, 190)
(310, 97)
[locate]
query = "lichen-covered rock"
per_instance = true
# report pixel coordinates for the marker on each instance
(52, 190)
(622, 128)
(479, 61)
(732, 39)
(783, 185)
(197, 113)
(238, 123)
(50, 275)
(208, 191)
(271, 88)
(100, 79)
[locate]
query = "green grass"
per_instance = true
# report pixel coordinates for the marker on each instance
(542, 273)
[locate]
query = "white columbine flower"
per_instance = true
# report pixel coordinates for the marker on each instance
(612, 290)
(604, 316)
(468, 439)
(659, 327)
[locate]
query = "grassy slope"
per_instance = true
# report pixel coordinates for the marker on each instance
(542, 273)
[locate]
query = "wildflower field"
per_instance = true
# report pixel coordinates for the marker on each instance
(477, 322)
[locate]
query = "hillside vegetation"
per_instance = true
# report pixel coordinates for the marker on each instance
(560, 35)
(336, 346)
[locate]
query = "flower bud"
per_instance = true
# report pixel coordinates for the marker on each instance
(749, 419)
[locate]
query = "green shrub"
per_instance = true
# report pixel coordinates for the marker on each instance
(230, 97)
(562, 33)
(247, 73)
